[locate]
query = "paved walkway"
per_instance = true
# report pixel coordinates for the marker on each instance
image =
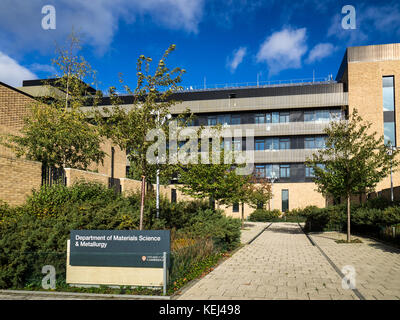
(376, 265)
(283, 264)
(251, 230)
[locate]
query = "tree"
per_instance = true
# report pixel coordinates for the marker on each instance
(56, 132)
(353, 162)
(258, 192)
(150, 106)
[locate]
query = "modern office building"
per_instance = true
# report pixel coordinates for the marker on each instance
(289, 119)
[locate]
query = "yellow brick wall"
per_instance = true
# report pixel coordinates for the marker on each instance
(74, 175)
(14, 106)
(366, 95)
(17, 179)
(301, 195)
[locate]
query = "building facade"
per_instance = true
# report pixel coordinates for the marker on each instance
(288, 120)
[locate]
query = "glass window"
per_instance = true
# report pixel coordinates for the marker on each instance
(260, 118)
(285, 171)
(322, 116)
(388, 93)
(336, 115)
(285, 200)
(272, 171)
(389, 133)
(268, 169)
(275, 171)
(268, 118)
(212, 121)
(284, 117)
(260, 145)
(237, 145)
(268, 144)
(235, 119)
(309, 116)
(309, 143)
(275, 144)
(227, 145)
(309, 172)
(284, 143)
(235, 207)
(319, 142)
(260, 171)
(272, 144)
(275, 117)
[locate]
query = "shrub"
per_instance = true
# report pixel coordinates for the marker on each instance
(224, 231)
(261, 215)
(35, 234)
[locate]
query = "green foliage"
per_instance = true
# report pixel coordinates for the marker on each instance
(369, 218)
(35, 234)
(261, 215)
(151, 103)
(56, 132)
(354, 160)
(224, 231)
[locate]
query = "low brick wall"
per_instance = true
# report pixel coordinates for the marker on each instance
(17, 179)
(75, 175)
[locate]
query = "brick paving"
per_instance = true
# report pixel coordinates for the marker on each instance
(376, 265)
(283, 264)
(251, 230)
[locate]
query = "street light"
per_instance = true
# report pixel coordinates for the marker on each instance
(159, 123)
(390, 152)
(273, 178)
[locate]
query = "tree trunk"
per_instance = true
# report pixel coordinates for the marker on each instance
(142, 202)
(242, 214)
(348, 219)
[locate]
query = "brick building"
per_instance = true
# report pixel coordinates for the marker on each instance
(288, 119)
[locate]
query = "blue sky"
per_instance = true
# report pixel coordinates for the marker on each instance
(221, 41)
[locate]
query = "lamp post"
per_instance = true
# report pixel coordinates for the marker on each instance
(390, 152)
(159, 123)
(273, 178)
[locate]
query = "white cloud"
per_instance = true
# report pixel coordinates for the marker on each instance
(283, 50)
(12, 73)
(236, 59)
(46, 68)
(97, 21)
(320, 51)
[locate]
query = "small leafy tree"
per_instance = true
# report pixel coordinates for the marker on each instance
(150, 104)
(56, 132)
(353, 162)
(259, 192)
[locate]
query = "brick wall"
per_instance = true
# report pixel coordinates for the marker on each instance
(75, 175)
(17, 179)
(366, 95)
(14, 106)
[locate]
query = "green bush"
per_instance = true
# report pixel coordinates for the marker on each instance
(224, 231)
(261, 215)
(35, 234)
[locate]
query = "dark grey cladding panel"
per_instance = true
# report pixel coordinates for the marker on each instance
(259, 92)
(245, 93)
